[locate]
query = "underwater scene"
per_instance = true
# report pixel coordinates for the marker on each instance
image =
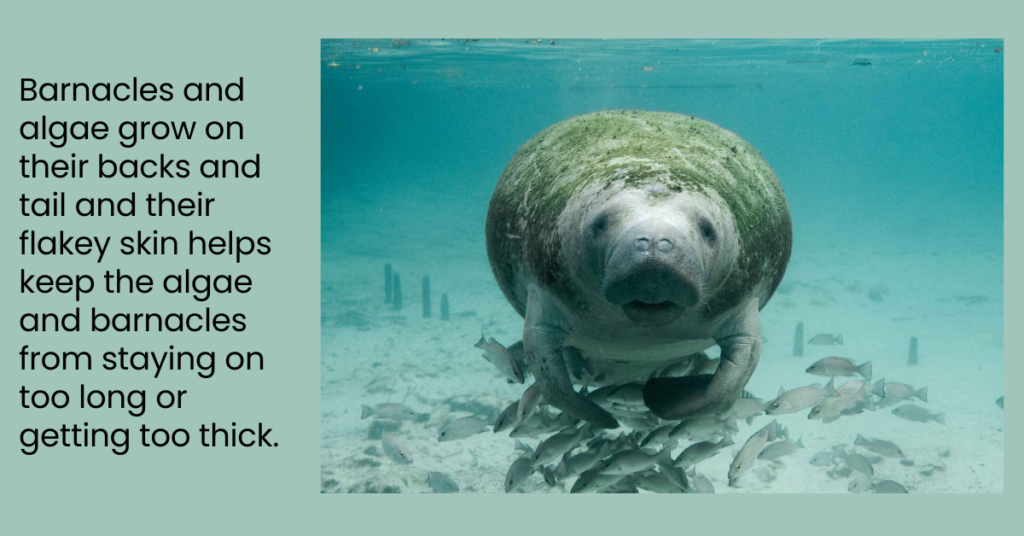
(661, 266)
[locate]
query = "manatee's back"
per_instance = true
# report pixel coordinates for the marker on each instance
(638, 147)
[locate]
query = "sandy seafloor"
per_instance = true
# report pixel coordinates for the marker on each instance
(943, 289)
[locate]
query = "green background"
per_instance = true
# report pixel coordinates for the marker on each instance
(276, 48)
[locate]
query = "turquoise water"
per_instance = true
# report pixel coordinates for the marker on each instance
(890, 154)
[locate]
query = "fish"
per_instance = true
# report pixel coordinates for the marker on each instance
(555, 446)
(860, 484)
(440, 483)
(541, 423)
(501, 358)
(746, 458)
(999, 402)
(463, 428)
(701, 451)
(780, 448)
(831, 407)
(518, 351)
(599, 396)
(518, 472)
(877, 388)
(549, 476)
(822, 459)
(627, 394)
(888, 486)
(914, 413)
(528, 403)
(627, 484)
(666, 467)
(592, 481)
(839, 366)
(902, 391)
(579, 463)
(395, 450)
(631, 461)
(745, 409)
(700, 483)
(883, 403)
(523, 447)
(880, 446)
(826, 339)
(657, 482)
(856, 462)
(801, 398)
(394, 412)
(507, 419)
(781, 433)
(638, 423)
(658, 436)
(560, 470)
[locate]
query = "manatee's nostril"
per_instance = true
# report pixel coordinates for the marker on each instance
(643, 244)
(665, 244)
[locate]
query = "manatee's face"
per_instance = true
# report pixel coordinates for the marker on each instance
(652, 251)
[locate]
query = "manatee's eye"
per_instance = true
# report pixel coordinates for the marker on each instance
(598, 226)
(707, 231)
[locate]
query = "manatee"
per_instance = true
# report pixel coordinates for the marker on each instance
(639, 238)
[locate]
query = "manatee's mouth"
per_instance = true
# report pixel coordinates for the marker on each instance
(653, 314)
(653, 273)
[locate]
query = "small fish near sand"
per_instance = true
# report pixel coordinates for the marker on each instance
(699, 452)
(902, 391)
(518, 472)
(627, 462)
(745, 409)
(879, 446)
(507, 418)
(914, 413)
(839, 366)
(393, 412)
(746, 458)
(528, 403)
(831, 408)
(463, 428)
(999, 402)
(826, 339)
(857, 462)
(554, 447)
(779, 449)
(801, 398)
(700, 483)
(592, 481)
(888, 486)
(501, 358)
(395, 450)
(441, 483)
(860, 484)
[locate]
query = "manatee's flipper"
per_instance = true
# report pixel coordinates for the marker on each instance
(691, 396)
(543, 334)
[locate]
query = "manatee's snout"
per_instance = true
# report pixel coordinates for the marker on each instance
(653, 273)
